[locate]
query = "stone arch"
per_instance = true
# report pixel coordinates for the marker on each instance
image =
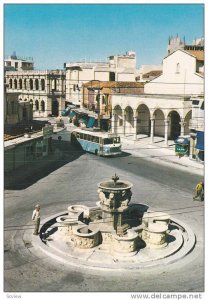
(31, 84)
(20, 84)
(55, 107)
(159, 122)
(42, 84)
(36, 105)
(25, 83)
(175, 127)
(15, 83)
(128, 120)
(187, 121)
(118, 119)
(42, 106)
(36, 84)
(54, 84)
(143, 119)
(31, 102)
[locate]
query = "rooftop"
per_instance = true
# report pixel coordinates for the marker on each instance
(152, 73)
(197, 53)
(113, 84)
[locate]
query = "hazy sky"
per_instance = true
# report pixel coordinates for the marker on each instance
(56, 33)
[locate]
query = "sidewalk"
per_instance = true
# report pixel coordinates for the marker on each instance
(160, 153)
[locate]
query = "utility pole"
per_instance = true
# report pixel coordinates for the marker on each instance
(97, 89)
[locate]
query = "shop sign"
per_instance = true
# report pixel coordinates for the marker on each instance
(181, 148)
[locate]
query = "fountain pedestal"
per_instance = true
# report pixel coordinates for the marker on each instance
(114, 199)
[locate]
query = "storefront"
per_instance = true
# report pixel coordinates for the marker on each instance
(24, 151)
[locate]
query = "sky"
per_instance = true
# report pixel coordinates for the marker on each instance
(57, 33)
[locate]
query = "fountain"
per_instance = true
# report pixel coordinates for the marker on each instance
(115, 231)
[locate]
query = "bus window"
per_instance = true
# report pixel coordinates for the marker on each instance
(81, 135)
(116, 140)
(107, 141)
(96, 140)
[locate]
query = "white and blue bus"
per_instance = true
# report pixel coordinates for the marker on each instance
(97, 142)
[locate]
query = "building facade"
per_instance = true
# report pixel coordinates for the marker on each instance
(44, 90)
(148, 72)
(17, 63)
(23, 151)
(175, 43)
(118, 68)
(182, 75)
(165, 108)
(15, 112)
(97, 94)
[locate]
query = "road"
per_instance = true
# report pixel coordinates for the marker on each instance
(161, 187)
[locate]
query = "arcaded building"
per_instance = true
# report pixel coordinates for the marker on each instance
(165, 108)
(45, 90)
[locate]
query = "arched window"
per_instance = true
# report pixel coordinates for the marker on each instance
(15, 84)
(36, 84)
(31, 84)
(10, 83)
(178, 68)
(54, 83)
(20, 84)
(36, 105)
(31, 103)
(42, 84)
(42, 105)
(25, 83)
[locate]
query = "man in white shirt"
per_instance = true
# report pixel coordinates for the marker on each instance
(36, 219)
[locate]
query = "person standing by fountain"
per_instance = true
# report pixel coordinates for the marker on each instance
(36, 219)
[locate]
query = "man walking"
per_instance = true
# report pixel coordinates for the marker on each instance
(36, 219)
(199, 191)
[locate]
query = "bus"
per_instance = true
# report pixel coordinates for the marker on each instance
(96, 141)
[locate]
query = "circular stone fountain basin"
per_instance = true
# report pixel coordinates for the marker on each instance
(77, 209)
(118, 186)
(125, 244)
(156, 217)
(66, 220)
(84, 237)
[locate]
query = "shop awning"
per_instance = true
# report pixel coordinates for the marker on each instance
(200, 140)
(91, 122)
(72, 114)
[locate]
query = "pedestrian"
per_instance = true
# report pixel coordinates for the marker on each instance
(36, 219)
(199, 191)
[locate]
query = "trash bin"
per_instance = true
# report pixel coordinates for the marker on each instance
(182, 145)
